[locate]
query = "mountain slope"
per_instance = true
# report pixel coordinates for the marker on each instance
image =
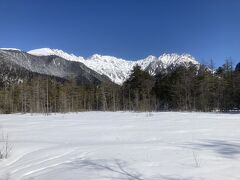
(13, 73)
(117, 69)
(51, 65)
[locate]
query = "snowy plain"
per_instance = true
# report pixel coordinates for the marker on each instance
(123, 146)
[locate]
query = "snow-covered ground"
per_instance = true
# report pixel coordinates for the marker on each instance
(123, 146)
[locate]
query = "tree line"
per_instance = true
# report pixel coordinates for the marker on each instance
(178, 88)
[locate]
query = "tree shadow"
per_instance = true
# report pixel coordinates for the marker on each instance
(119, 168)
(226, 149)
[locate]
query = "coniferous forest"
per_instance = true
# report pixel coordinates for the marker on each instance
(180, 88)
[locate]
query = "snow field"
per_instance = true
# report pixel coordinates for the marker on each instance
(122, 145)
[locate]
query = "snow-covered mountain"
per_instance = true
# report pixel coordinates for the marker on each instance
(10, 49)
(117, 69)
(56, 52)
(16, 65)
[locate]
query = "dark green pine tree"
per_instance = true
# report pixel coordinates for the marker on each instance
(138, 89)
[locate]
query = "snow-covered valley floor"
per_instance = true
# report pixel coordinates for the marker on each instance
(122, 146)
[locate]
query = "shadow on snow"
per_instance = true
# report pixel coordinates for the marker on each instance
(225, 149)
(119, 168)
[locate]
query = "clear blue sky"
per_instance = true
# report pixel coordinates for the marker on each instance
(130, 29)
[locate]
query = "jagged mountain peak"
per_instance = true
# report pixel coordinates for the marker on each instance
(150, 57)
(95, 56)
(174, 58)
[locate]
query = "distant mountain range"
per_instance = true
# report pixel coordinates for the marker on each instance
(95, 69)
